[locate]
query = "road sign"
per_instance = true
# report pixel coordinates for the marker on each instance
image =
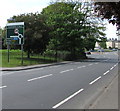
(15, 31)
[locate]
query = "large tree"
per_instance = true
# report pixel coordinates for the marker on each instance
(67, 23)
(71, 25)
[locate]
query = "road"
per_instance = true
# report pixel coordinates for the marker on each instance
(65, 86)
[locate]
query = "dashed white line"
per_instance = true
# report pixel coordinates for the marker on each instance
(96, 63)
(3, 87)
(95, 80)
(115, 65)
(67, 70)
(65, 100)
(39, 77)
(81, 67)
(111, 68)
(106, 72)
(90, 64)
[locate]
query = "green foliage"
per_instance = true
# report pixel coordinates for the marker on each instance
(36, 32)
(110, 11)
(66, 22)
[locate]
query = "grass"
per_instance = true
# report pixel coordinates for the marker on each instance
(15, 59)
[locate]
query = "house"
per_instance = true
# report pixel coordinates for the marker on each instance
(113, 43)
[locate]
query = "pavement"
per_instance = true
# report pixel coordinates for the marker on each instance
(109, 98)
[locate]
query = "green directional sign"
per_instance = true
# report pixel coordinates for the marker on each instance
(15, 33)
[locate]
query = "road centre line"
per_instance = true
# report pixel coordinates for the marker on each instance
(96, 63)
(67, 99)
(66, 70)
(81, 67)
(90, 64)
(95, 80)
(3, 87)
(105, 60)
(39, 77)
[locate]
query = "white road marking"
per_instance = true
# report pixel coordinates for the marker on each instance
(39, 77)
(3, 87)
(81, 67)
(95, 80)
(106, 72)
(65, 100)
(96, 63)
(67, 70)
(90, 64)
(115, 65)
(111, 68)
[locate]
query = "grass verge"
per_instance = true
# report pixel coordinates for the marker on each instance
(15, 59)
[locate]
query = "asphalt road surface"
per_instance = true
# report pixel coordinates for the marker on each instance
(66, 86)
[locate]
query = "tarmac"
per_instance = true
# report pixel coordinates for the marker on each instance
(108, 96)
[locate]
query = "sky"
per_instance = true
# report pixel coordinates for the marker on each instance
(8, 8)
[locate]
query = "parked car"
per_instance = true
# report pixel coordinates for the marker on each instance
(88, 52)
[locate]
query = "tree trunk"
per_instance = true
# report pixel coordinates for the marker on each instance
(28, 54)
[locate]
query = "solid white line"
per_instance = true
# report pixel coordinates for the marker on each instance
(65, 100)
(3, 87)
(39, 77)
(106, 72)
(67, 70)
(95, 80)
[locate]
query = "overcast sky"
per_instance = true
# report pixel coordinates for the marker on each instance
(8, 8)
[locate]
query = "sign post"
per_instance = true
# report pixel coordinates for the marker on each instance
(15, 36)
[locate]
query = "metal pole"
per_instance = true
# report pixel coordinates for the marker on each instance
(8, 47)
(22, 54)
